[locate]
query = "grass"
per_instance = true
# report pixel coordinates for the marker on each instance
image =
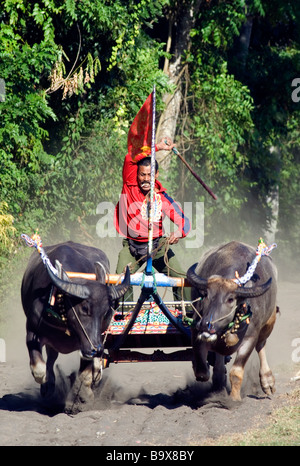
(282, 430)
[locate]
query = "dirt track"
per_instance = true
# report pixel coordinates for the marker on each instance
(145, 403)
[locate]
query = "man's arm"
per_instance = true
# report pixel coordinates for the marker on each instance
(130, 166)
(176, 215)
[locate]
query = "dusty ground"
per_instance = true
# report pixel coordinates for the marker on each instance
(146, 403)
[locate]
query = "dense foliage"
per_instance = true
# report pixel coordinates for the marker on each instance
(76, 74)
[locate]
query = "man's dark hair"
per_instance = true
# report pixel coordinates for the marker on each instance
(146, 161)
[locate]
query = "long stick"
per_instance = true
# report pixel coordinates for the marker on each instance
(195, 174)
(152, 187)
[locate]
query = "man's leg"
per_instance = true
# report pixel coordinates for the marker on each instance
(125, 258)
(170, 265)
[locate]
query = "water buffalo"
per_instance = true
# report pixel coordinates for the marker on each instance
(66, 315)
(232, 318)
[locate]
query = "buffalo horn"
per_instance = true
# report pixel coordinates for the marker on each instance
(70, 288)
(117, 291)
(254, 291)
(195, 280)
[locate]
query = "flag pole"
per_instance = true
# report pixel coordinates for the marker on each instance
(152, 188)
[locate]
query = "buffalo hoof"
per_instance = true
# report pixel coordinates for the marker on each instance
(219, 383)
(81, 398)
(202, 377)
(47, 389)
(39, 372)
(235, 396)
(267, 382)
(202, 372)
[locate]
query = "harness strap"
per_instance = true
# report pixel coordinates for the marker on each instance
(82, 327)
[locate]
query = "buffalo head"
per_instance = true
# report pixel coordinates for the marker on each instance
(222, 296)
(89, 308)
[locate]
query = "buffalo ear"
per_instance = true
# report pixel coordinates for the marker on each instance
(117, 291)
(60, 271)
(68, 287)
(100, 272)
(254, 291)
(195, 280)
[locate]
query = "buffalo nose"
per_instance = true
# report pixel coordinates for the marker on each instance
(97, 351)
(207, 327)
(94, 352)
(210, 326)
(211, 329)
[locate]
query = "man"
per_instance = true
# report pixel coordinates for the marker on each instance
(131, 218)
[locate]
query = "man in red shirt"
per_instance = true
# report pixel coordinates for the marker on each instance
(131, 218)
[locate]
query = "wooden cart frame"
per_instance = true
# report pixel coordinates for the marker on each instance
(150, 323)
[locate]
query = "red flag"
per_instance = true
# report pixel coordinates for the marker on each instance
(140, 133)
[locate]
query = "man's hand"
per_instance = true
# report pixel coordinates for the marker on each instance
(173, 238)
(165, 144)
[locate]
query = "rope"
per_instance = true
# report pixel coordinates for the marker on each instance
(35, 241)
(261, 250)
(82, 327)
(165, 244)
(166, 260)
(223, 317)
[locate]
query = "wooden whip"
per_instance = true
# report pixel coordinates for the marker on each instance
(195, 174)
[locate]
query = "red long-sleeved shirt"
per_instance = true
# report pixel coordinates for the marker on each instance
(130, 216)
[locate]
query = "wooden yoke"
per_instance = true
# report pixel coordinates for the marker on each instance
(135, 279)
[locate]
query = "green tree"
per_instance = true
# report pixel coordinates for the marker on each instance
(28, 52)
(237, 120)
(51, 53)
(76, 74)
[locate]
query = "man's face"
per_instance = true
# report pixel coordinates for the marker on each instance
(144, 177)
